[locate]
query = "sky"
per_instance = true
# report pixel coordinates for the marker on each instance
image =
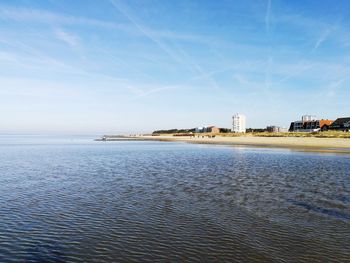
(117, 66)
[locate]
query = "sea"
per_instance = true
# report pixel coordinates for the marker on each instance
(73, 199)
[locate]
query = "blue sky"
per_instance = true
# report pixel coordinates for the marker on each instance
(135, 66)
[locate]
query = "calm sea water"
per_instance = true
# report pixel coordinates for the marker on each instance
(69, 199)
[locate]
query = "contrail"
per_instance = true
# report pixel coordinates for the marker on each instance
(145, 31)
(321, 39)
(268, 16)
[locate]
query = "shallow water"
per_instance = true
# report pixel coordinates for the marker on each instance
(70, 199)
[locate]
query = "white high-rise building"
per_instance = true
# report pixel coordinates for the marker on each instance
(238, 123)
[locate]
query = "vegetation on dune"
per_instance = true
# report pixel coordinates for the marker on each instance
(185, 131)
(333, 134)
(323, 134)
(172, 131)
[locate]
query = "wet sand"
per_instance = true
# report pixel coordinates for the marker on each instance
(308, 143)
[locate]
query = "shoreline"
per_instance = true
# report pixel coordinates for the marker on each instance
(310, 144)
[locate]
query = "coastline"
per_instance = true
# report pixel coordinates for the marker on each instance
(330, 145)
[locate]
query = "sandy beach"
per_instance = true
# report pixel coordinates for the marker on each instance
(301, 143)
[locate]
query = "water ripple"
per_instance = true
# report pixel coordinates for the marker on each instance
(168, 202)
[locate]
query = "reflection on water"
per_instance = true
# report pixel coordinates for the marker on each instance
(149, 201)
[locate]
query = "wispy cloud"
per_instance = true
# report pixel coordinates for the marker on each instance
(188, 84)
(267, 85)
(268, 16)
(142, 28)
(68, 38)
(201, 71)
(211, 73)
(33, 59)
(321, 29)
(181, 36)
(299, 21)
(184, 59)
(37, 88)
(159, 89)
(247, 83)
(43, 16)
(298, 70)
(25, 15)
(333, 87)
(322, 38)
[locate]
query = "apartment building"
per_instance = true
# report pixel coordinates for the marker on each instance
(238, 123)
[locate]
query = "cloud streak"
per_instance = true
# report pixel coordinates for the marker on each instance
(68, 38)
(145, 31)
(160, 89)
(26, 15)
(298, 71)
(322, 39)
(194, 66)
(42, 16)
(330, 91)
(268, 16)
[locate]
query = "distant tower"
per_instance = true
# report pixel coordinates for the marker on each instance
(238, 123)
(306, 118)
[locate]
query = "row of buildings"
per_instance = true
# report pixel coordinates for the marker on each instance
(238, 126)
(212, 129)
(308, 123)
